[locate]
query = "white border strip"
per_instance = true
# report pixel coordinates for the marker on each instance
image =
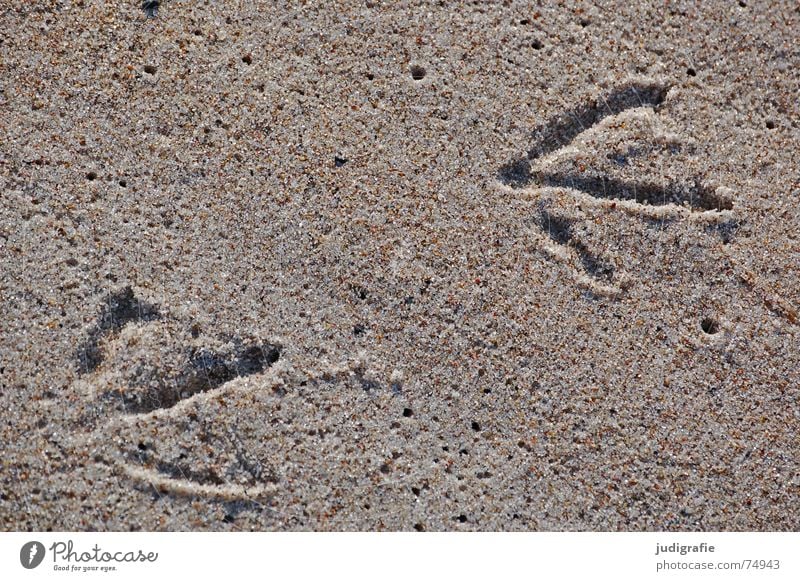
(408, 556)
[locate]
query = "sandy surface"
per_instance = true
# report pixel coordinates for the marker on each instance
(399, 265)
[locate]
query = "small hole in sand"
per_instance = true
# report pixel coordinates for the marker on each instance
(418, 73)
(123, 184)
(462, 518)
(770, 124)
(710, 326)
(247, 59)
(691, 72)
(91, 176)
(370, 77)
(537, 45)
(476, 427)
(150, 69)
(408, 412)
(419, 527)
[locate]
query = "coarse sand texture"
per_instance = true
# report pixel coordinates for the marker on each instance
(399, 265)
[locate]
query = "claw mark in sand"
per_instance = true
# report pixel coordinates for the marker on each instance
(562, 129)
(560, 230)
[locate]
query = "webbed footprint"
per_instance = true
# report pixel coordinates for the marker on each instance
(183, 413)
(143, 363)
(249, 442)
(613, 157)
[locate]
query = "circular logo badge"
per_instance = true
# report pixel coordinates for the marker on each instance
(31, 554)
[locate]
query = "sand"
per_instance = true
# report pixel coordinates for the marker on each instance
(399, 266)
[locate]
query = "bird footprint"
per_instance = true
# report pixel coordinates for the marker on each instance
(168, 408)
(611, 155)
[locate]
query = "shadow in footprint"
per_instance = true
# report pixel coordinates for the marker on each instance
(205, 370)
(560, 130)
(559, 229)
(584, 169)
(151, 370)
(119, 309)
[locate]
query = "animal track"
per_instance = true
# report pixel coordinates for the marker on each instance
(119, 309)
(600, 158)
(560, 231)
(562, 129)
(140, 366)
(151, 372)
(198, 453)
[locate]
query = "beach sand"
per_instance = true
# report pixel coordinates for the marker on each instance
(399, 266)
